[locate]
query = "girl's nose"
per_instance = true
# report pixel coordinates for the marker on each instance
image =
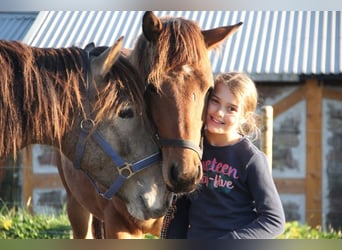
(219, 112)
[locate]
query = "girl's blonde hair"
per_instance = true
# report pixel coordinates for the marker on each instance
(243, 88)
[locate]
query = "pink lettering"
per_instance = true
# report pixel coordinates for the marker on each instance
(220, 168)
(219, 182)
(205, 164)
(233, 171)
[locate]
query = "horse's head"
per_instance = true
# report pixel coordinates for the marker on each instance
(172, 56)
(117, 107)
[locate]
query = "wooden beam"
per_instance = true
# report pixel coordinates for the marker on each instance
(290, 186)
(313, 93)
(287, 102)
(332, 94)
(47, 181)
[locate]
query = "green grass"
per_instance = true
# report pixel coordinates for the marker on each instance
(20, 224)
(294, 230)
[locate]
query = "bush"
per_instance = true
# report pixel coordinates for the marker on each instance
(21, 224)
(294, 230)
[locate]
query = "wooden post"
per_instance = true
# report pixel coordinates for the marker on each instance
(27, 178)
(267, 133)
(313, 93)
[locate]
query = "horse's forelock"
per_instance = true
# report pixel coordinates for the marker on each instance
(180, 43)
(123, 87)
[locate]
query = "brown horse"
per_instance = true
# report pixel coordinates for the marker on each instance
(83, 102)
(172, 56)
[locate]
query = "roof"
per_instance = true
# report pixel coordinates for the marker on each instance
(14, 25)
(270, 45)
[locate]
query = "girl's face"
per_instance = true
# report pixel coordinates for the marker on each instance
(223, 111)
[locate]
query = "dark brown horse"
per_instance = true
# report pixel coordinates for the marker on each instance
(172, 56)
(90, 105)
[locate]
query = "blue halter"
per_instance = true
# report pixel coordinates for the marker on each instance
(126, 170)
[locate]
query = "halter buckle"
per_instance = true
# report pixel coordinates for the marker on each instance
(126, 171)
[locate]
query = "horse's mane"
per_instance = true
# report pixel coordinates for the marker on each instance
(33, 80)
(180, 43)
(41, 90)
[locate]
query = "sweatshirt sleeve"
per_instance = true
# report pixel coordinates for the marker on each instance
(270, 222)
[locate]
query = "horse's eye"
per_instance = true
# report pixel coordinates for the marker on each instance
(126, 113)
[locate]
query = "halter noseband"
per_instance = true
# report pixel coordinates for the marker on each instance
(126, 170)
(162, 142)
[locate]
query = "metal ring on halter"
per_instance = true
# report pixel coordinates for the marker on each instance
(126, 170)
(87, 124)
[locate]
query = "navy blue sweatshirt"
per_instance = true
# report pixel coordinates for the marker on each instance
(236, 199)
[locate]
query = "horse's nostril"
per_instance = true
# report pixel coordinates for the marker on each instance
(179, 183)
(173, 173)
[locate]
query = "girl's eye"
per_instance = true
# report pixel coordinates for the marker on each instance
(213, 100)
(231, 109)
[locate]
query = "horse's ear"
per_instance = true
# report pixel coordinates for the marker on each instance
(215, 37)
(89, 46)
(107, 58)
(152, 26)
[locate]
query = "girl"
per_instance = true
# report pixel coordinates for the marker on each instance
(237, 198)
